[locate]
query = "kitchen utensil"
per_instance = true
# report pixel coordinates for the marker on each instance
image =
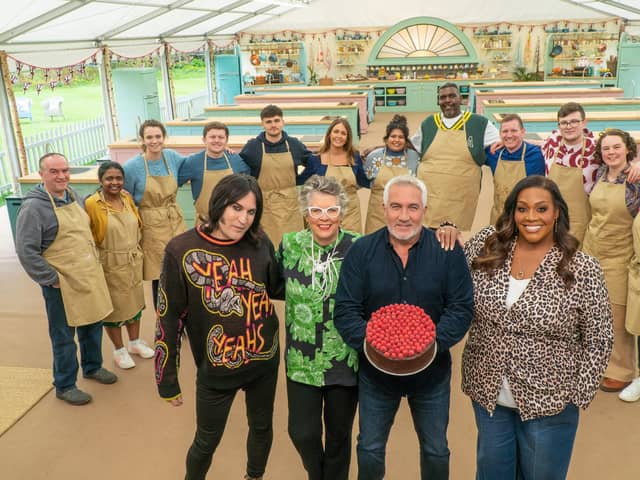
(556, 50)
(602, 47)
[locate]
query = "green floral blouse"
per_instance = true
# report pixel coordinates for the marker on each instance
(315, 353)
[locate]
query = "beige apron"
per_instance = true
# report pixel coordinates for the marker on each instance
(74, 257)
(507, 174)
(277, 180)
(352, 220)
(452, 178)
(633, 296)
(210, 179)
(161, 219)
(571, 184)
(121, 258)
(609, 239)
(375, 210)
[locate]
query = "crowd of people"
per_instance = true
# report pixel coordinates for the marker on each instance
(547, 295)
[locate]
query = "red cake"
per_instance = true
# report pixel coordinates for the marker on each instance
(400, 339)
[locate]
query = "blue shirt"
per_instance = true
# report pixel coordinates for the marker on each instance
(191, 169)
(437, 280)
(135, 173)
(533, 158)
(316, 167)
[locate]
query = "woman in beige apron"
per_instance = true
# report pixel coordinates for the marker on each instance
(210, 179)
(338, 158)
(505, 177)
(571, 185)
(609, 238)
(452, 178)
(116, 229)
(397, 157)
(632, 320)
(277, 180)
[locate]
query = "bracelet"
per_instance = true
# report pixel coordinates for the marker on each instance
(447, 223)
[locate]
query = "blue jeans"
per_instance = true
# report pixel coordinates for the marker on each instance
(509, 448)
(65, 358)
(430, 412)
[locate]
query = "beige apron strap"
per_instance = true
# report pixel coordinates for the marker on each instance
(506, 176)
(277, 181)
(121, 258)
(352, 219)
(453, 180)
(73, 255)
(375, 211)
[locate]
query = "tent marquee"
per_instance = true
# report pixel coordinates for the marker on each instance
(85, 23)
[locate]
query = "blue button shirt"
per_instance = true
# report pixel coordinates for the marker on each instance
(192, 170)
(533, 158)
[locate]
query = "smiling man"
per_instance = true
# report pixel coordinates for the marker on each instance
(453, 150)
(404, 263)
(274, 158)
(514, 161)
(206, 168)
(56, 248)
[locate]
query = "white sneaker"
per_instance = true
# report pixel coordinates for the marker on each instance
(632, 392)
(139, 347)
(123, 359)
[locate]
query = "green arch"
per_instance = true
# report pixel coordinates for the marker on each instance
(472, 56)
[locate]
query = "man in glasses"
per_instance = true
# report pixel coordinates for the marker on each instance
(570, 162)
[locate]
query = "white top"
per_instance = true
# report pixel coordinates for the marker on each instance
(516, 287)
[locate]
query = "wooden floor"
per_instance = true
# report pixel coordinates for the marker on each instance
(127, 432)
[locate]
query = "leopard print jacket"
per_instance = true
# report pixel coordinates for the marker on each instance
(552, 345)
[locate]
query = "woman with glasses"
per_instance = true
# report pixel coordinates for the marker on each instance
(321, 368)
(614, 203)
(397, 157)
(337, 158)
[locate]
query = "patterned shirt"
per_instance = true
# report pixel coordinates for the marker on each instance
(554, 148)
(632, 190)
(382, 156)
(315, 352)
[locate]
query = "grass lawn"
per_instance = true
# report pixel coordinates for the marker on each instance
(83, 101)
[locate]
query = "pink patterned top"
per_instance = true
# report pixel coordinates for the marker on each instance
(554, 149)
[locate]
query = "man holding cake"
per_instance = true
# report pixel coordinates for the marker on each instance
(403, 264)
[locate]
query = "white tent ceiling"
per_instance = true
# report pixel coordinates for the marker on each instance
(29, 24)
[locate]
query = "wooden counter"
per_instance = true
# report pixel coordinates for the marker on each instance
(613, 104)
(597, 120)
(361, 98)
(487, 94)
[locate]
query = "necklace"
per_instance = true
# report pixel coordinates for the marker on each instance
(324, 273)
(519, 272)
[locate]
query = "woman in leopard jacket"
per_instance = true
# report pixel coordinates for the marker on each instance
(540, 338)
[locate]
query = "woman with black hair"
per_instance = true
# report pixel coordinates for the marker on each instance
(397, 157)
(540, 338)
(117, 229)
(217, 283)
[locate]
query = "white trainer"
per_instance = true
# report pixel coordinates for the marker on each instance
(123, 359)
(139, 347)
(632, 392)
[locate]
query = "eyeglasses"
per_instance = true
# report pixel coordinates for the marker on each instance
(331, 212)
(569, 123)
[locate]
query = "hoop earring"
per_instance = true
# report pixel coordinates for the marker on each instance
(555, 226)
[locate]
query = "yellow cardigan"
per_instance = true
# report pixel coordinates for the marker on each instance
(97, 210)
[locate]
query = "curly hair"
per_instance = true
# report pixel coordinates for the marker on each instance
(326, 185)
(399, 122)
(632, 148)
(496, 249)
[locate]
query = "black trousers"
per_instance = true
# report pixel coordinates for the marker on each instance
(212, 411)
(308, 407)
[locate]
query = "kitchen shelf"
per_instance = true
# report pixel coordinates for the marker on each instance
(508, 34)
